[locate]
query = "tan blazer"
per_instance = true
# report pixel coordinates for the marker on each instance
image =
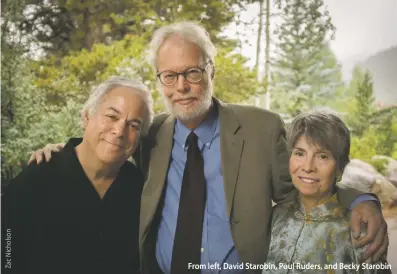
(255, 172)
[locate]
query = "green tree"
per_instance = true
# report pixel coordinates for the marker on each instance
(306, 70)
(233, 81)
(374, 130)
(12, 76)
(364, 147)
(344, 101)
(364, 106)
(59, 26)
(386, 123)
(75, 74)
(377, 139)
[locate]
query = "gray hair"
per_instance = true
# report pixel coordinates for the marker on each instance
(324, 129)
(189, 31)
(101, 90)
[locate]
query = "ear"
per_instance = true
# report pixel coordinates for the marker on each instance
(85, 119)
(212, 69)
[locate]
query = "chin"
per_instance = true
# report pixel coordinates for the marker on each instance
(112, 159)
(186, 116)
(190, 114)
(308, 192)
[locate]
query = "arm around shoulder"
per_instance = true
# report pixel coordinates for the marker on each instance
(347, 195)
(281, 180)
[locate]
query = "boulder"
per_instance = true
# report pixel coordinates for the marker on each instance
(361, 175)
(391, 168)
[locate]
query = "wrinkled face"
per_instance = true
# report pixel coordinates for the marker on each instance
(186, 101)
(112, 132)
(312, 169)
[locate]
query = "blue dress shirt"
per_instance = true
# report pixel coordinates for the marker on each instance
(217, 242)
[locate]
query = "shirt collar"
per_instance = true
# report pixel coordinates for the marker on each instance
(205, 132)
(329, 210)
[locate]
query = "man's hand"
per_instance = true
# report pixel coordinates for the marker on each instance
(45, 153)
(376, 235)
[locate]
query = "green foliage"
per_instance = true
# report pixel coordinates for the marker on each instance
(60, 26)
(380, 165)
(374, 131)
(233, 81)
(34, 123)
(75, 74)
(372, 143)
(364, 147)
(364, 108)
(387, 128)
(306, 70)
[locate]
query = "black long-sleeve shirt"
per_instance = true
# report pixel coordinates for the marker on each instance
(55, 222)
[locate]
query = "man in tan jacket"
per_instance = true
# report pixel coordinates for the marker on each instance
(245, 164)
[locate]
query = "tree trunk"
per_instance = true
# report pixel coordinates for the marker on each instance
(267, 55)
(258, 50)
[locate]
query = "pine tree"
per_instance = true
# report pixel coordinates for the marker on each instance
(59, 26)
(364, 105)
(305, 68)
(386, 121)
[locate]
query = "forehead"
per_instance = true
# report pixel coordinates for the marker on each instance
(125, 100)
(305, 142)
(177, 54)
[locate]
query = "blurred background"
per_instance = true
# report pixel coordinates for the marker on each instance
(287, 56)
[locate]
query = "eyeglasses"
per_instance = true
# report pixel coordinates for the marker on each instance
(192, 75)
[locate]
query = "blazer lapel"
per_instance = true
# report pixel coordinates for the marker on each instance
(157, 172)
(232, 144)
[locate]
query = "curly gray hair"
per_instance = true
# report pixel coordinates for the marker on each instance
(102, 89)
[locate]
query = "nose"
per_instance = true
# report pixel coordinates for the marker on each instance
(309, 165)
(119, 128)
(182, 85)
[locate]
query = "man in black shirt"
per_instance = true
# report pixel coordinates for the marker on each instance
(79, 213)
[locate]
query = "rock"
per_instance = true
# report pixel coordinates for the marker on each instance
(361, 175)
(391, 168)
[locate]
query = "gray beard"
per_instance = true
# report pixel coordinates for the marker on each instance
(203, 106)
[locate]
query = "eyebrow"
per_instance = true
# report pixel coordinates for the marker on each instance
(317, 151)
(114, 109)
(135, 120)
(187, 68)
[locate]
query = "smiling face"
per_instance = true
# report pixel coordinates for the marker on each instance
(112, 131)
(312, 169)
(186, 101)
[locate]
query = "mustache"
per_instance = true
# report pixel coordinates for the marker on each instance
(184, 98)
